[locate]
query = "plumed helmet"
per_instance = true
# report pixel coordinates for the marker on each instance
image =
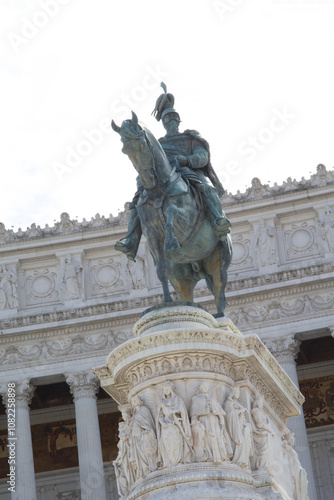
(164, 104)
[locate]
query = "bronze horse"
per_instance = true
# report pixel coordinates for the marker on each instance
(180, 237)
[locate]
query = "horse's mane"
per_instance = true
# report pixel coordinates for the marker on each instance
(158, 154)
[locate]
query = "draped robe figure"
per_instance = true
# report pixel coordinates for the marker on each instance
(123, 466)
(70, 280)
(8, 289)
(206, 411)
(144, 446)
(239, 430)
(328, 226)
(174, 433)
(297, 472)
(261, 434)
(264, 244)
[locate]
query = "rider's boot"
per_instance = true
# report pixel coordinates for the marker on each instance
(129, 245)
(213, 207)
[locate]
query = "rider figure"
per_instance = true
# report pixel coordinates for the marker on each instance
(189, 153)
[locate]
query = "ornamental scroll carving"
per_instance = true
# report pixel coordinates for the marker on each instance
(42, 286)
(278, 309)
(168, 364)
(242, 259)
(212, 431)
(105, 277)
(301, 241)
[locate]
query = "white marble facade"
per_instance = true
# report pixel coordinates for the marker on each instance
(67, 298)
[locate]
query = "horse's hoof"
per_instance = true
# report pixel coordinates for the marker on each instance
(219, 315)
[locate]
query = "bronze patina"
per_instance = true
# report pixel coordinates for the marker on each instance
(176, 207)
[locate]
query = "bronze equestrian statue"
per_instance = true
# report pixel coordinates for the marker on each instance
(175, 207)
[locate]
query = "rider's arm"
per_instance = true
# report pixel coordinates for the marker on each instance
(200, 156)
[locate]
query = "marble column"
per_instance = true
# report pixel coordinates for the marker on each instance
(25, 488)
(84, 387)
(285, 350)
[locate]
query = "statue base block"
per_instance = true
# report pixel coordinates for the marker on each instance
(205, 411)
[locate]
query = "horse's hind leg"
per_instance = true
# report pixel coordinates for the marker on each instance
(183, 282)
(216, 278)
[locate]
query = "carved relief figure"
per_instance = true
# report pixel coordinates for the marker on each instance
(328, 226)
(239, 429)
(174, 432)
(296, 470)
(262, 434)
(70, 279)
(265, 244)
(211, 442)
(8, 289)
(124, 468)
(144, 446)
(136, 272)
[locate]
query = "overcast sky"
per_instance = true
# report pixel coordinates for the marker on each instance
(254, 77)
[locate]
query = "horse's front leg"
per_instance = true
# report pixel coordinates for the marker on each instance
(171, 242)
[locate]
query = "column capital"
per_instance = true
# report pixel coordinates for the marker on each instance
(83, 384)
(284, 349)
(23, 393)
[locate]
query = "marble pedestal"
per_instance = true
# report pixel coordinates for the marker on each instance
(205, 411)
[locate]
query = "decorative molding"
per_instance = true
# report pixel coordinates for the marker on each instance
(41, 287)
(258, 191)
(279, 277)
(46, 488)
(279, 309)
(194, 337)
(301, 241)
(65, 226)
(68, 348)
(148, 301)
(73, 342)
(176, 363)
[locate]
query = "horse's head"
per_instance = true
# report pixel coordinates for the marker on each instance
(137, 147)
